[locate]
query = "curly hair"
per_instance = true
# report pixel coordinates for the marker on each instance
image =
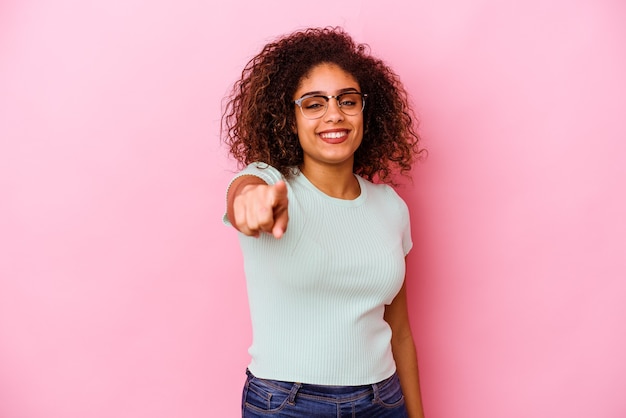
(258, 119)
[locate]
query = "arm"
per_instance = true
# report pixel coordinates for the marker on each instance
(404, 353)
(253, 206)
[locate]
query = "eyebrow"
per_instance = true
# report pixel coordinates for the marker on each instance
(323, 93)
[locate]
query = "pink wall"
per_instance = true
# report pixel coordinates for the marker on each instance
(121, 294)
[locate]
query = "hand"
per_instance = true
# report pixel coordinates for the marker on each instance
(261, 208)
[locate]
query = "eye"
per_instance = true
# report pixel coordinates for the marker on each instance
(349, 100)
(314, 103)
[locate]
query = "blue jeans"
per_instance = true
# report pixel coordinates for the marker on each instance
(273, 398)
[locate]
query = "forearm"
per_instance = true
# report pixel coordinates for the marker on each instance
(406, 362)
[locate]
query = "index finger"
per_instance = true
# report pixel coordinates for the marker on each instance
(279, 194)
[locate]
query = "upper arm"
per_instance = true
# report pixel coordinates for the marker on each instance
(397, 316)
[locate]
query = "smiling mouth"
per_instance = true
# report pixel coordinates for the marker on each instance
(336, 136)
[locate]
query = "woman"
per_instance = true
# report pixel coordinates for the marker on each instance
(315, 120)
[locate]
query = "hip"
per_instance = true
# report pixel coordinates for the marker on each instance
(264, 397)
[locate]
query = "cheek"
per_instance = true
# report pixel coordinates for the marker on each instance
(303, 126)
(360, 127)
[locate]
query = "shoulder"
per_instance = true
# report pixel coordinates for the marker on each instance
(384, 193)
(264, 171)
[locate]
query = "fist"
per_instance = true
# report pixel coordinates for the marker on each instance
(261, 208)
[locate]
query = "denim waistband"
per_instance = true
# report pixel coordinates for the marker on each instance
(323, 390)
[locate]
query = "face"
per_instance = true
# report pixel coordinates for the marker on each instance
(332, 139)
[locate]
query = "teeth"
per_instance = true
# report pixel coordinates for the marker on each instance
(332, 135)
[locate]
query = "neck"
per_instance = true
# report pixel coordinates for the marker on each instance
(335, 181)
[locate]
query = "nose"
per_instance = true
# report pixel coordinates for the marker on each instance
(333, 113)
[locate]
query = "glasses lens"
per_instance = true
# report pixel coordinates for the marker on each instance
(314, 107)
(351, 103)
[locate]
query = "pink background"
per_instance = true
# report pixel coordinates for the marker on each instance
(122, 295)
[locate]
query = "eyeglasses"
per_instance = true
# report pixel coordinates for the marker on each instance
(315, 106)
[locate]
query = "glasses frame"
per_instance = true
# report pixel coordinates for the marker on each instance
(327, 98)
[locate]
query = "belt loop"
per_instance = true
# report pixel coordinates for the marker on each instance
(294, 391)
(376, 390)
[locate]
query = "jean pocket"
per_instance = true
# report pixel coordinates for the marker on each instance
(390, 393)
(261, 397)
